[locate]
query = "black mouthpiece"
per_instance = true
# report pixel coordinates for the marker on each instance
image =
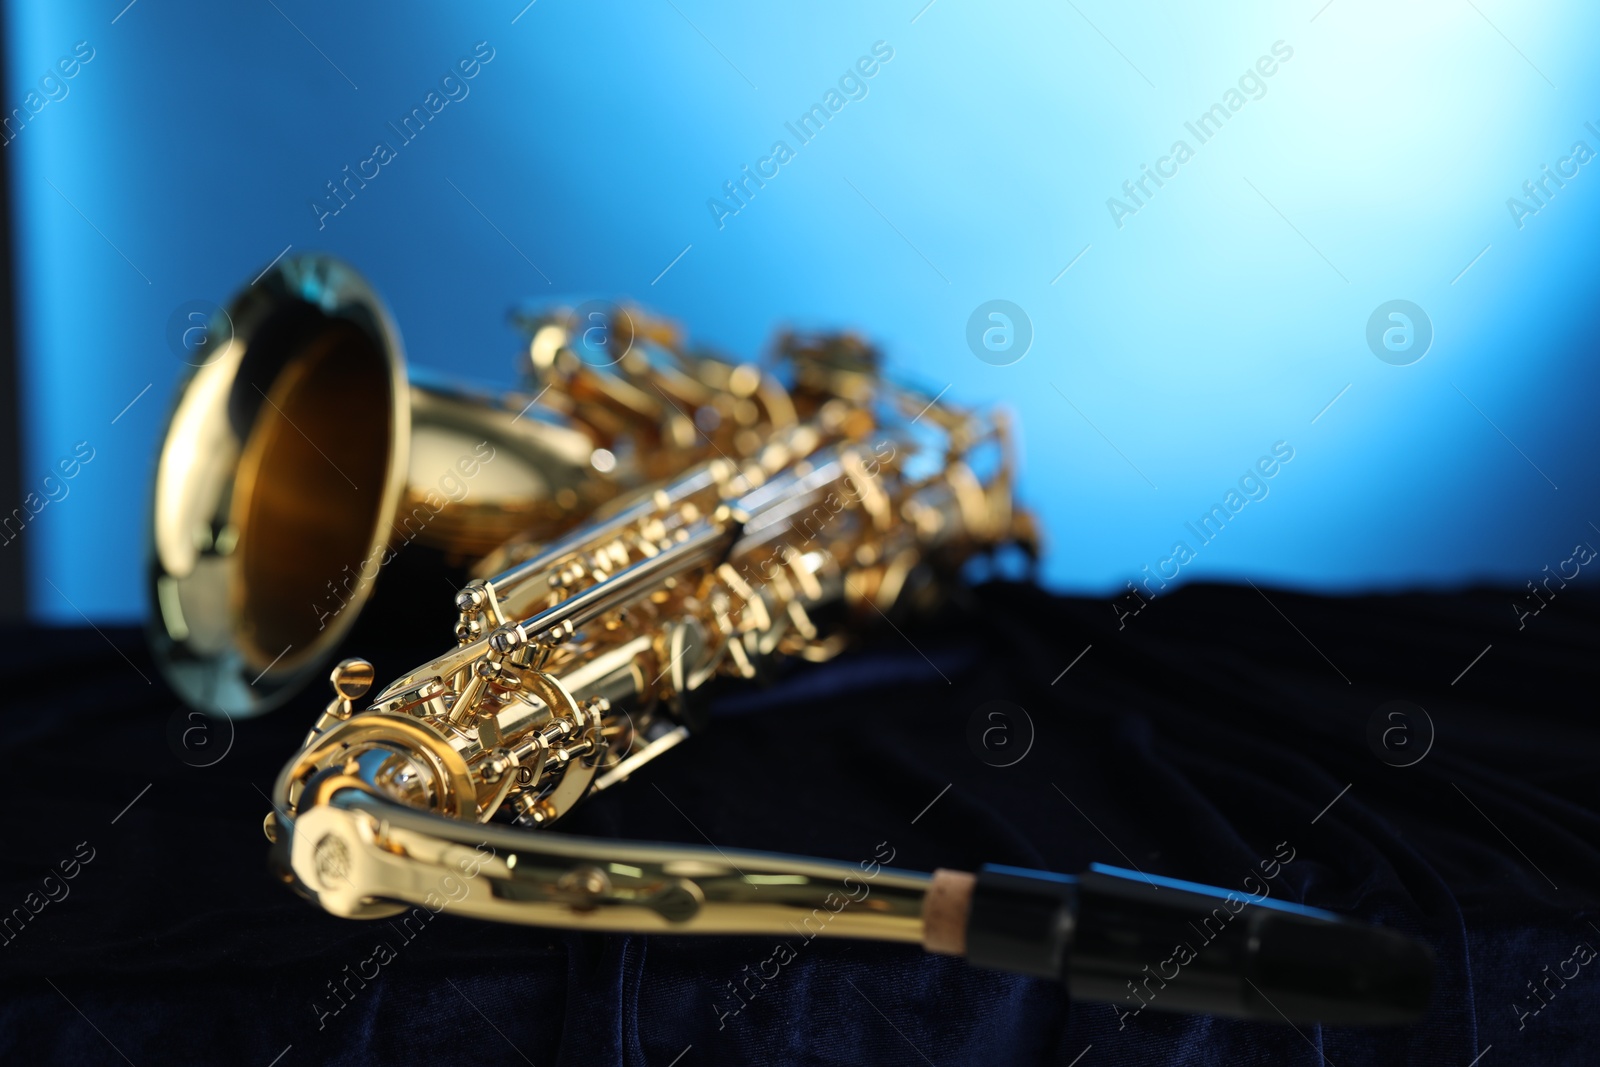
(1139, 941)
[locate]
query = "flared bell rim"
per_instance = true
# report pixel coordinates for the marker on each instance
(200, 636)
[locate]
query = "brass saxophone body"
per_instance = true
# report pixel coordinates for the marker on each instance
(580, 660)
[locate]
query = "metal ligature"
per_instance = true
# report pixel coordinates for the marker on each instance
(814, 499)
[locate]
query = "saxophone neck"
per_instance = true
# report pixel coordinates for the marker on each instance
(360, 854)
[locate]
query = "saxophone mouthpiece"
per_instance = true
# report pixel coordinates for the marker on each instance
(1137, 941)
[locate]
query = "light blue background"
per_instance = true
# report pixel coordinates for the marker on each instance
(1189, 341)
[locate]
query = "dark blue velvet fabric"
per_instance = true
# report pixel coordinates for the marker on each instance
(1207, 733)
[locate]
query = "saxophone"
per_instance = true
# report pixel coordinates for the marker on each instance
(581, 658)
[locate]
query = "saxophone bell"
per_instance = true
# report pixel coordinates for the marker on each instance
(302, 454)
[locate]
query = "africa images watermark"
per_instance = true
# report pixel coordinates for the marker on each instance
(860, 486)
(1252, 486)
(55, 490)
(52, 89)
(454, 88)
(784, 953)
(1538, 192)
(1210, 928)
(1582, 554)
(1400, 733)
(452, 489)
(852, 86)
(1000, 733)
(450, 890)
(1581, 956)
(1204, 127)
(55, 890)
